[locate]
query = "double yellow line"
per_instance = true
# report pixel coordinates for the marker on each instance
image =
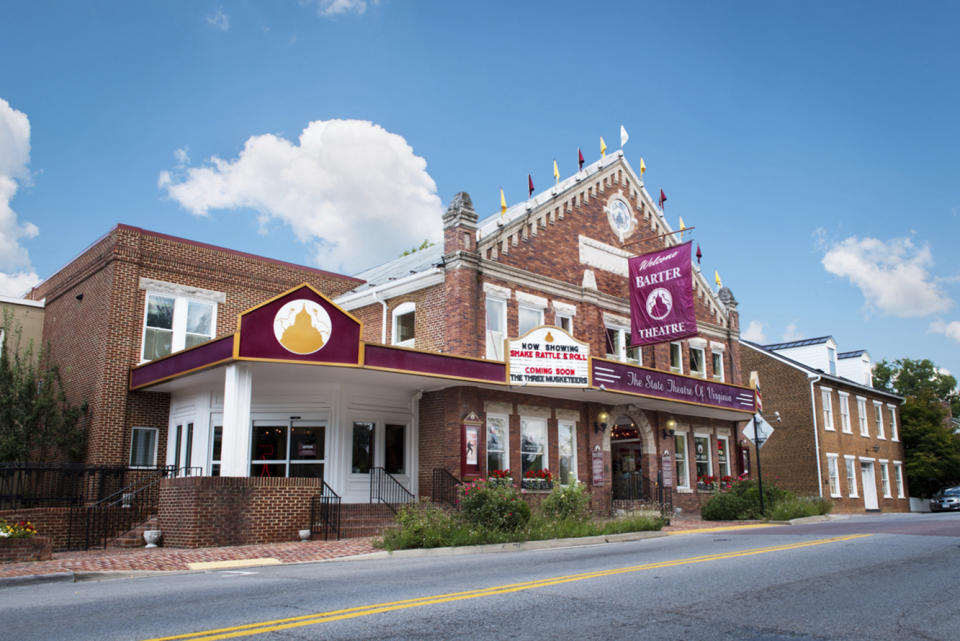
(366, 610)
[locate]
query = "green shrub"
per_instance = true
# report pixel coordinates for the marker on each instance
(423, 525)
(493, 506)
(795, 507)
(633, 524)
(567, 503)
(726, 506)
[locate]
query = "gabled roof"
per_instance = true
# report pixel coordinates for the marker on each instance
(418, 261)
(817, 372)
(800, 343)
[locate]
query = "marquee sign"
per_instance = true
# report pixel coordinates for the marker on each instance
(548, 356)
(661, 296)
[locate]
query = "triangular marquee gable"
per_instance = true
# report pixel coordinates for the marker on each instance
(300, 325)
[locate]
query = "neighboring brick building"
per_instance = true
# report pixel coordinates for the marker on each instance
(838, 437)
(23, 316)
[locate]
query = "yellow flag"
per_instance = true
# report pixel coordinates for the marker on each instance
(503, 203)
(682, 227)
(603, 148)
(643, 167)
(556, 172)
(716, 277)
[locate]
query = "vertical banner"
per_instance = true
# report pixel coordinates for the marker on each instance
(470, 446)
(661, 296)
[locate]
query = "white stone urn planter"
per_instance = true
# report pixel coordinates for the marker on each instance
(306, 534)
(152, 537)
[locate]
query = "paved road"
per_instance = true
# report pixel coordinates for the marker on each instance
(877, 577)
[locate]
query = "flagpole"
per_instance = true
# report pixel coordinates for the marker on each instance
(669, 233)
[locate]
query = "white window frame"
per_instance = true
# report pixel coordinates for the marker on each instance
(898, 477)
(403, 309)
(537, 311)
(546, 441)
(564, 311)
(702, 373)
(851, 471)
(181, 304)
(826, 400)
(862, 416)
(706, 436)
(833, 475)
(572, 425)
(894, 432)
(680, 457)
(506, 441)
(495, 338)
(679, 348)
(878, 413)
(156, 443)
(845, 426)
(725, 470)
(716, 355)
(622, 346)
(885, 478)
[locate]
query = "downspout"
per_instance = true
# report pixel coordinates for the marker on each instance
(383, 319)
(816, 436)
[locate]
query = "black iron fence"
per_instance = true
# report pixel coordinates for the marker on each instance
(325, 513)
(386, 489)
(30, 485)
(629, 486)
(445, 487)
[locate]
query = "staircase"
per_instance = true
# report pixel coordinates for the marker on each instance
(365, 519)
(134, 538)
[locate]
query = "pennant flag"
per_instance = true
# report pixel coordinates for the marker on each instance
(530, 184)
(556, 172)
(603, 148)
(663, 198)
(682, 227)
(579, 159)
(643, 167)
(503, 203)
(699, 254)
(716, 277)
(624, 136)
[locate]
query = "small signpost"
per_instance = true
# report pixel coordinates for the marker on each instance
(666, 467)
(597, 465)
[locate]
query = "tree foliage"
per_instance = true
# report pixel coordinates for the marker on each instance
(932, 450)
(37, 423)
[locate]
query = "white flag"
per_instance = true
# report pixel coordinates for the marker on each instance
(624, 136)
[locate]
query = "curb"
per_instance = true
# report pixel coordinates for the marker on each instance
(31, 579)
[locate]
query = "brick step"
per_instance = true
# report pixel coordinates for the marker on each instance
(133, 538)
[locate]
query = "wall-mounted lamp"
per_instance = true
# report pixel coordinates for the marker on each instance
(600, 425)
(671, 427)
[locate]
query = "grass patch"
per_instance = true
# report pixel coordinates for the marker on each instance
(742, 502)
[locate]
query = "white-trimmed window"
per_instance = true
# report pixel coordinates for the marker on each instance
(533, 445)
(723, 455)
(528, 318)
(851, 465)
(862, 416)
(498, 443)
(567, 452)
(845, 413)
(618, 346)
(898, 477)
(878, 411)
(716, 358)
(174, 322)
(143, 447)
(564, 313)
(676, 357)
(826, 398)
(701, 448)
(832, 360)
(698, 363)
(565, 323)
(834, 475)
(680, 457)
(404, 324)
(496, 309)
(894, 434)
(885, 479)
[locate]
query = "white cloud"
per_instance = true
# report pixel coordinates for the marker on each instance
(182, 157)
(791, 333)
(754, 332)
(951, 329)
(328, 8)
(16, 273)
(893, 276)
(219, 20)
(353, 189)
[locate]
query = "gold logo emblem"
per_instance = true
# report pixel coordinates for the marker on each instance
(302, 326)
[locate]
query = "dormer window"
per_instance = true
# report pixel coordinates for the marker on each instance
(832, 360)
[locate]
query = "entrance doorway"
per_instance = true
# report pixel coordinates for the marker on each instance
(626, 458)
(868, 477)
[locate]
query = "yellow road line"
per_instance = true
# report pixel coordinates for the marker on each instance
(724, 528)
(236, 563)
(360, 611)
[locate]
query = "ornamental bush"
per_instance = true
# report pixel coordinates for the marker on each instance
(567, 503)
(725, 506)
(493, 507)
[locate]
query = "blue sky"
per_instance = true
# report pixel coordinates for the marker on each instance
(813, 145)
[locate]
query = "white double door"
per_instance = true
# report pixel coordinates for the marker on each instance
(869, 479)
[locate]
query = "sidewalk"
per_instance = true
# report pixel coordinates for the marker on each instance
(163, 559)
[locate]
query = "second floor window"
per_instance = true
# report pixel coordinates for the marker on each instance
(173, 323)
(618, 346)
(404, 324)
(698, 366)
(496, 327)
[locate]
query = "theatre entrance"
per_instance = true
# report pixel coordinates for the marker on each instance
(626, 459)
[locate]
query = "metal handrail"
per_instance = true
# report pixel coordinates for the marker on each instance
(386, 489)
(165, 472)
(445, 487)
(325, 512)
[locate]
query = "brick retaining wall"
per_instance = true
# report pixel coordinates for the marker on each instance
(31, 548)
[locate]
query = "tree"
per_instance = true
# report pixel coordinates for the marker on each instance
(424, 245)
(37, 423)
(932, 450)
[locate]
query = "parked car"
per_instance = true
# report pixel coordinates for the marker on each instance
(946, 499)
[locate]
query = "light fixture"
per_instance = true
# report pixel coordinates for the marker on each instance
(875, 448)
(671, 427)
(600, 425)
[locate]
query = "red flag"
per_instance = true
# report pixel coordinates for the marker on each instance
(530, 182)
(699, 254)
(580, 158)
(663, 198)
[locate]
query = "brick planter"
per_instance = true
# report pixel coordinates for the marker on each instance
(31, 548)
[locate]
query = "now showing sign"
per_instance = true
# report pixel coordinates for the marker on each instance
(548, 356)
